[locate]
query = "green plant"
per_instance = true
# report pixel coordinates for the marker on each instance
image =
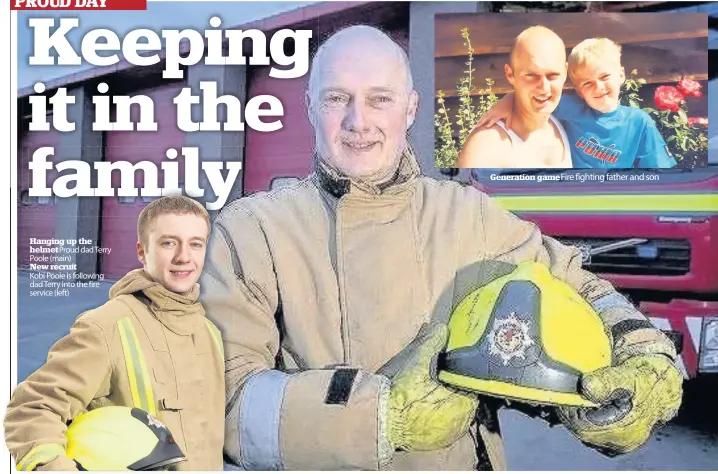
(687, 138)
(448, 143)
(629, 93)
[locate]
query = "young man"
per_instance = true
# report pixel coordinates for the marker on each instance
(602, 132)
(150, 347)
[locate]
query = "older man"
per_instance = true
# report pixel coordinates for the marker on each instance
(534, 139)
(320, 289)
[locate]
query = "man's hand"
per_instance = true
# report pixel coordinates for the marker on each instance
(501, 111)
(425, 415)
(637, 396)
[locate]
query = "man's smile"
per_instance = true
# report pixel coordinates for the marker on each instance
(181, 273)
(543, 100)
(360, 147)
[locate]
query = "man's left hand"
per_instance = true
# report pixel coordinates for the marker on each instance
(636, 396)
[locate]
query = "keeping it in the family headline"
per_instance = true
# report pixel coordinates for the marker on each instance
(144, 47)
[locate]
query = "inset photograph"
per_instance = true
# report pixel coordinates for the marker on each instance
(571, 90)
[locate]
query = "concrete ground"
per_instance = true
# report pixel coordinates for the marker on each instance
(685, 444)
(688, 443)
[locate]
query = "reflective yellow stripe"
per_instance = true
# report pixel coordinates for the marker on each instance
(216, 336)
(140, 382)
(40, 454)
(612, 202)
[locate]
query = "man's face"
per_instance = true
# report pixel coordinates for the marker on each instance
(175, 250)
(360, 109)
(538, 78)
(599, 83)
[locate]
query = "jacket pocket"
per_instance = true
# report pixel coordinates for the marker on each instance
(159, 376)
(163, 369)
(164, 381)
(162, 385)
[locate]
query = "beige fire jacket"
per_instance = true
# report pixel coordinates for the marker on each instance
(329, 273)
(87, 369)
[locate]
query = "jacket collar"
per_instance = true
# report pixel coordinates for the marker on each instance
(331, 181)
(181, 314)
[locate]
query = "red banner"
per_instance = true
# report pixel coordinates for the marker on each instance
(78, 4)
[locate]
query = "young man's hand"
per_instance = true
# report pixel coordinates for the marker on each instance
(501, 111)
(60, 463)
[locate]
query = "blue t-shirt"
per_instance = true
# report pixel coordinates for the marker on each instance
(624, 138)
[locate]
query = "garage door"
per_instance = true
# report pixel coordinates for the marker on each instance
(36, 215)
(119, 214)
(276, 157)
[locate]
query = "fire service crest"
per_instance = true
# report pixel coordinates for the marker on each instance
(509, 338)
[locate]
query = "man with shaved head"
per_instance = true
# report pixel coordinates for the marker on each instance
(535, 139)
(363, 67)
(333, 295)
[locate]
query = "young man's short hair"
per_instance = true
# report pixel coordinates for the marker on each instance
(595, 49)
(168, 205)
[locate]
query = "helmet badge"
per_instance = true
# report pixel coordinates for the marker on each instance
(152, 421)
(509, 338)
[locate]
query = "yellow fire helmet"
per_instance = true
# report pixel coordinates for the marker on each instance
(525, 336)
(118, 438)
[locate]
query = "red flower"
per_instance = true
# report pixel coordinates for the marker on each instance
(689, 87)
(668, 98)
(698, 121)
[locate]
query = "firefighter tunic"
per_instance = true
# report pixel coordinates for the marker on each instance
(328, 273)
(146, 347)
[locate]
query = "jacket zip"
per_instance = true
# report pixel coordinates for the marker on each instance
(340, 284)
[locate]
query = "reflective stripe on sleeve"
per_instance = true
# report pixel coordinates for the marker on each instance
(612, 300)
(260, 410)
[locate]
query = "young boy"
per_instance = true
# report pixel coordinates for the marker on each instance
(602, 133)
(150, 347)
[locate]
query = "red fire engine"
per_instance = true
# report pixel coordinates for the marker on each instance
(652, 233)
